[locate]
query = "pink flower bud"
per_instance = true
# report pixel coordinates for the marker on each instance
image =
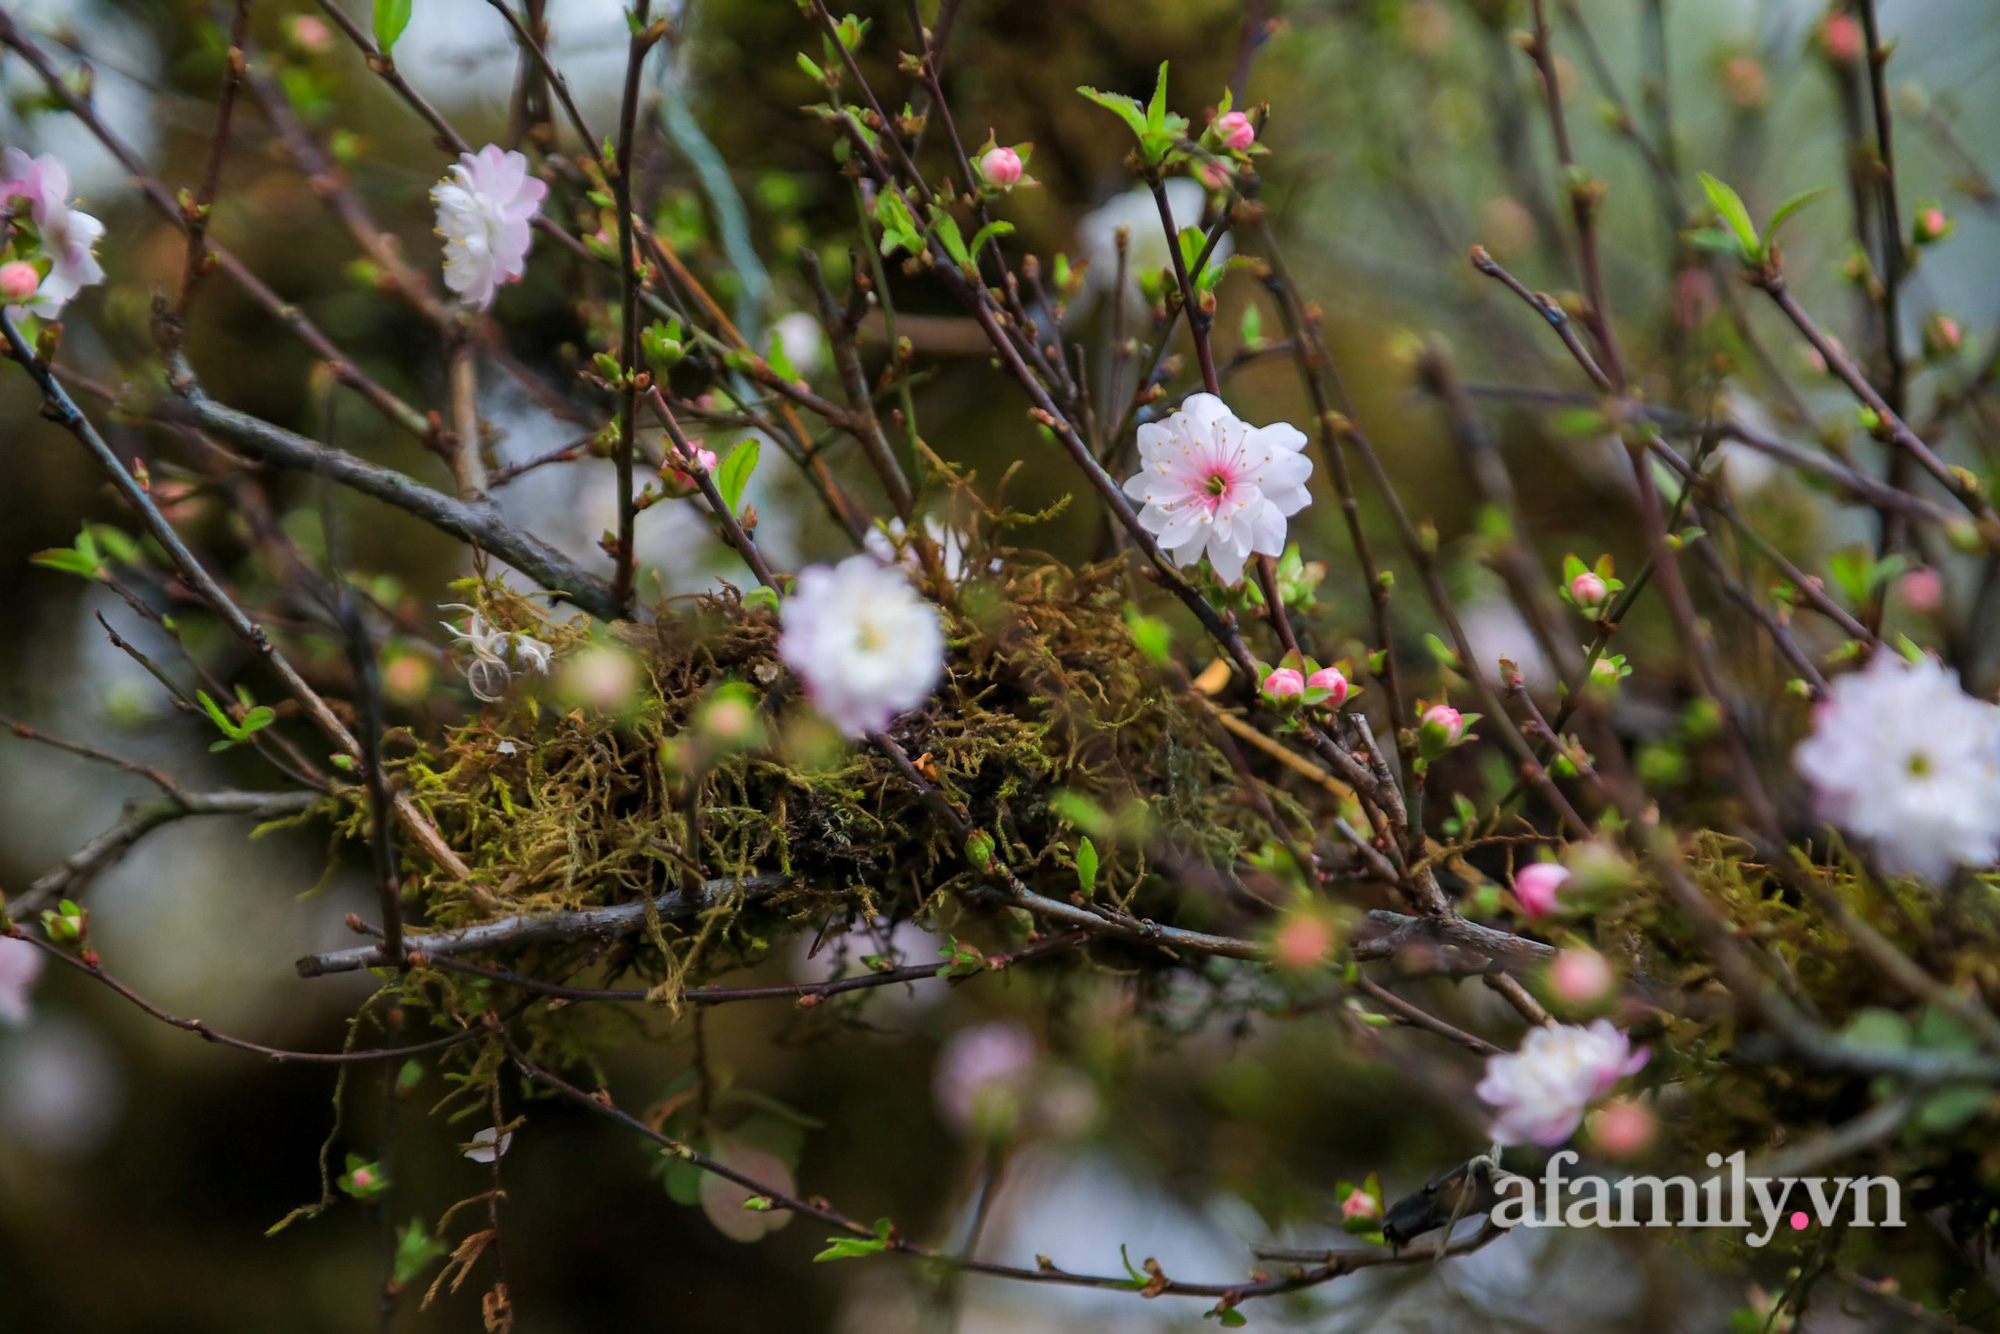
(1943, 335)
(1588, 589)
(363, 1178)
(1359, 1204)
(1001, 167)
(1303, 941)
(1329, 678)
(310, 34)
(1923, 590)
(1933, 224)
(1285, 681)
(1447, 720)
(18, 280)
(1233, 128)
(1538, 887)
(1840, 37)
(1580, 977)
(1212, 174)
(1622, 1128)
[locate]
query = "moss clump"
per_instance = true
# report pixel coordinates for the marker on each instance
(558, 803)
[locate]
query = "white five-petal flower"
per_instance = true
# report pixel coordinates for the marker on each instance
(1902, 758)
(1215, 485)
(866, 646)
(68, 236)
(20, 966)
(1541, 1092)
(484, 209)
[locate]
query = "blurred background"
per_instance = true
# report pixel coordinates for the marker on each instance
(140, 1167)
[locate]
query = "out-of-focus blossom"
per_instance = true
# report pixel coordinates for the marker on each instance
(866, 646)
(983, 1074)
(1622, 1127)
(1933, 224)
(1001, 167)
(803, 340)
(1214, 485)
(1541, 1092)
(1923, 589)
(1580, 976)
(1303, 941)
(1902, 758)
(1139, 216)
(20, 967)
(489, 1145)
(723, 1200)
(62, 1088)
(1506, 227)
(1943, 335)
(1841, 39)
(682, 480)
(602, 677)
(484, 211)
(1359, 1204)
(309, 33)
(68, 236)
(1745, 83)
(1538, 887)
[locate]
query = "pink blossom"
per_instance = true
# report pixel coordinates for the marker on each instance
(1303, 941)
(1588, 589)
(310, 34)
(67, 235)
(1214, 485)
(1933, 224)
(484, 211)
(723, 1200)
(1538, 887)
(1841, 38)
(1235, 131)
(1445, 719)
(1329, 678)
(20, 966)
(1285, 681)
(1622, 1128)
(18, 280)
(982, 1075)
(1541, 1092)
(1359, 1204)
(1213, 175)
(1923, 590)
(688, 480)
(1001, 167)
(1580, 976)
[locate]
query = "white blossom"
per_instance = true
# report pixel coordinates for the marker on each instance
(1903, 759)
(803, 341)
(1146, 247)
(1542, 1091)
(891, 548)
(20, 965)
(484, 209)
(496, 654)
(68, 236)
(866, 646)
(1215, 485)
(488, 1145)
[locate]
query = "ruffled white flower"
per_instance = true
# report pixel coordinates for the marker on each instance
(1903, 759)
(1542, 1091)
(68, 236)
(484, 209)
(488, 1145)
(1146, 249)
(866, 646)
(496, 654)
(1215, 485)
(20, 966)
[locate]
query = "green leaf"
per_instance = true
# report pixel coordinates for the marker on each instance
(987, 233)
(813, 72)
(734, 473)
(1789, 207)
(416, 1249)
(1127, 108)
(1252, 330)
(1948, 1109)
(1875, 1027)
(1086, 867)
(1156, 110)
(1729, 207)
(391, 17)
(948, 234)
(1716, 240)
(850, 1248)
